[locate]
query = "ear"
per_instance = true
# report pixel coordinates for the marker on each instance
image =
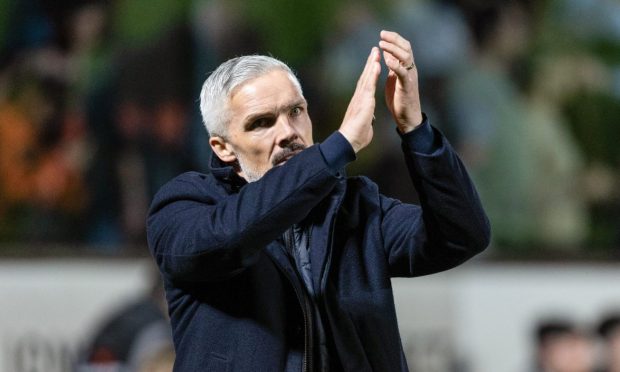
(222, 149)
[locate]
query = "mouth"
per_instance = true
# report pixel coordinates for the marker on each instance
(285, 158)
(285, 155)
(287, 152)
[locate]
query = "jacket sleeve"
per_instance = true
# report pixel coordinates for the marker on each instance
(449, 226)
(198, 232)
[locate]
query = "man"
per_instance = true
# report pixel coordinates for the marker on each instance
(562, 347)
(278, 262)
(609, 331)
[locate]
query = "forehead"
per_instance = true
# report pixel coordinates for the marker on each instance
(266, 92)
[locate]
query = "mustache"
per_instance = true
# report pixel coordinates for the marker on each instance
(290, 149)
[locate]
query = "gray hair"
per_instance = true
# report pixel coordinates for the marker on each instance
(218, 87)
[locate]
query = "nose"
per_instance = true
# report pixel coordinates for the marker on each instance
(287, 132)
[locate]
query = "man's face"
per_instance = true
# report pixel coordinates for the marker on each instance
(269, 124)
(571, 352)
(614, 346)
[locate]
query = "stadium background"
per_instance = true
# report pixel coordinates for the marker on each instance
(98, 109)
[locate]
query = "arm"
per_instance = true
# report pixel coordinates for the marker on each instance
(197, 232)
(450, 227)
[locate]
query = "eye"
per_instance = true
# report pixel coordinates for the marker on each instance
(296, 111)
(260, 123)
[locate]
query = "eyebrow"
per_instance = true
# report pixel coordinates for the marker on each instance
(249, 119)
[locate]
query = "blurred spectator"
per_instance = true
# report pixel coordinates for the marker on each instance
(42, 192)
(516, 143)
(584, 38)
(486, 112)
(609, 330)
(162, 361)
(562, 347)
(139, 115)
(135, 338)
(560, 216)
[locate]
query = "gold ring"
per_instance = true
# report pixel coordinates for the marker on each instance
(412, 65)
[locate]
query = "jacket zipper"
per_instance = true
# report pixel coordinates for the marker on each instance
(332, 228)
(330, 247)
(307, 363)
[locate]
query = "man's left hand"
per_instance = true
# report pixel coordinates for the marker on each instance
(401, 89)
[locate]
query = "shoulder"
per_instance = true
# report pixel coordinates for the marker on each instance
(187, 182)
(187, 186)
(191, 177)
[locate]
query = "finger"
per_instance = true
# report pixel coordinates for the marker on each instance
(371, 70)
(391, 62)
(367, 68)
(395, 66)
(404, 46)
(404, 57)
(398, 46)
(394, 38)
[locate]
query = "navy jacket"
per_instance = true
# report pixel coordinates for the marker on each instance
(236, 302)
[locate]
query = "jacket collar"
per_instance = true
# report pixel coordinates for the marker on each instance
(225, 173)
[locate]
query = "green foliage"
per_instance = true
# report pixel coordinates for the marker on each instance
(292, 30)
(139, 21)
(5, 19)
(607, 50)
(593, 118)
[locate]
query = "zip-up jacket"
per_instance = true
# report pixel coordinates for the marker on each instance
(238, 303)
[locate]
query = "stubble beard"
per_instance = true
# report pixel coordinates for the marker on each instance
(252, 174)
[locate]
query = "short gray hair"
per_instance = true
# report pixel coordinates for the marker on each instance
(218, 87)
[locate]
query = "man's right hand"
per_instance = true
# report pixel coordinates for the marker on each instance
(356, 126)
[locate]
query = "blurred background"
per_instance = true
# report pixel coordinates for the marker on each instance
(98, 109)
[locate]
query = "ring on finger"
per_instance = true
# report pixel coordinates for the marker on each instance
(412, 65)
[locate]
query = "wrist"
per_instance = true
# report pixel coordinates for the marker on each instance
(408, 127)
(354, 144)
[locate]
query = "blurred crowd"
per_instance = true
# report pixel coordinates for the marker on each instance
(98, 106)
(135, 337)
(562, 345)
